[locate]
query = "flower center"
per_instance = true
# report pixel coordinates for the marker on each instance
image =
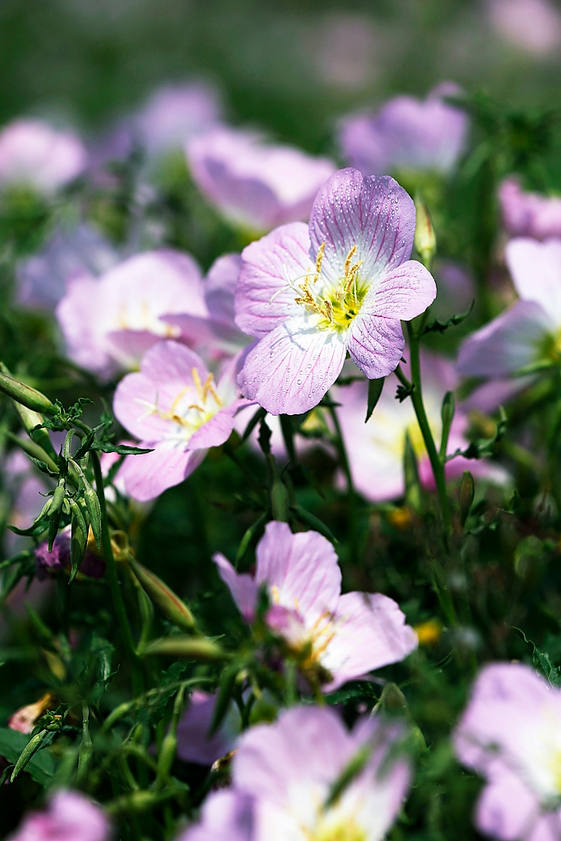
(192, 407)
(337, 305)
(339, 830)
(140, 316)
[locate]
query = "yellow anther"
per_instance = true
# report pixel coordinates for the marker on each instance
(319, 260)
(197, 383)
(173, 406)
(349, 259)
(275, 594)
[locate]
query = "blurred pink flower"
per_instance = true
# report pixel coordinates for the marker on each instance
(375, 449)
(283, 774)
(70, 253)
(527, 214)
(215, 332)
(532, 25)
(34, 154)
(407, 134)
(529, 332)
(70, 816)
(193, 741)
(510, 733)
(109, 322)
(311, 293)
(254, 183)
(175, 113)
(347, 635)
(174, 407)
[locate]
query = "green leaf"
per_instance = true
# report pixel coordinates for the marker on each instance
(374, 391)
(41, 766)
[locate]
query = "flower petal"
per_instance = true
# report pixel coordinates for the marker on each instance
(374, 213)
(403, 293)
(369, 632)
(376, 344)
(536, 272)
(508, 343)
(290, 369)
(302, 567)
(271, 269)
(147, 475)
(242, 587)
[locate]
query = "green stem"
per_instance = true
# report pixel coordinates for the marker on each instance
(113, 579)
(351, 491)
(417, 399)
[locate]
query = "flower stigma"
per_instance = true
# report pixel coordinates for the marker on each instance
(337, 306)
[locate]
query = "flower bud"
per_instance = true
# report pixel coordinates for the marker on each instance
(425, 238)
(24, 394)
(169, 603)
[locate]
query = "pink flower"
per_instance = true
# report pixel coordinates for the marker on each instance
(255, 184)
(529, 331)
(375, 449)
(34, 154)
(407, 134)
(69, 817)
(215, 331)
(70, 253)
(175, 113)
(347, 635)
(283, 774)
(193, 741)
(108, 323)
(510, 733)
(174, 407)
(533, 25)
(527, 214)
(311, 293)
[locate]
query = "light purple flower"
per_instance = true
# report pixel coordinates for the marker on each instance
(255, 184)
(34, 154)
(347, 635)
(532, 25)
(288, 769)
(529, 331)
(175, 113)
(510, 733)
(527, 214)
(215, 331)
(407, 134)
(375, 449)
(312, 293)
(174, 407)
(226, 815)
(108, 323)
(193, 741)
(70, 817)
(69, 253)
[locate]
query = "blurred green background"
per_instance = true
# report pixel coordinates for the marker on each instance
(291, 66)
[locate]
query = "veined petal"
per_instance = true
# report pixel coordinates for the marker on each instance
(536, 273)
(243, 587)
(369, 632)
(292, 367)
(271, 270)
(146, 476)
(372, 213)
(376, 344)
(403, 293)
(303, 569)
(508, 343)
